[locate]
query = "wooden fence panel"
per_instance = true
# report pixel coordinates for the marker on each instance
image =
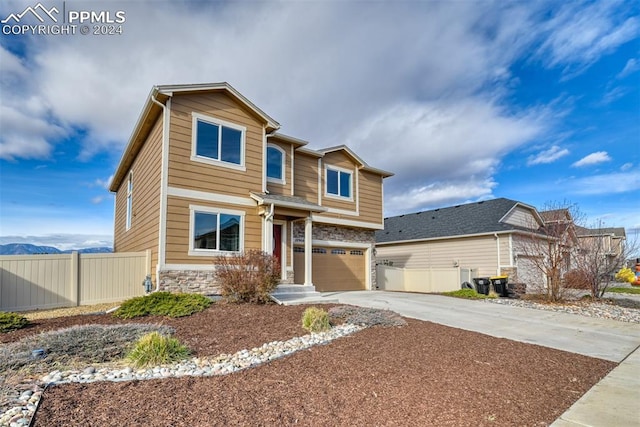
(29, 282)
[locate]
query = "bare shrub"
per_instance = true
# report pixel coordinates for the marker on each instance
(248, 277)
(576, 279)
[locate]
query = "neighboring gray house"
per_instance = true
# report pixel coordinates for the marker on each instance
(482, 236)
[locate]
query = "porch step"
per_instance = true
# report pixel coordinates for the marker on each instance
(300, 294)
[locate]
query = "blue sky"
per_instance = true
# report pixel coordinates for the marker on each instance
(464, 101)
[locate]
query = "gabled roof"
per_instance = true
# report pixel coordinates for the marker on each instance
(152, 109)
(469, 219)
(358, 159)
(605, 231)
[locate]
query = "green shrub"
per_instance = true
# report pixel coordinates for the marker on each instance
(315, 320)
(365, 316)
(11, 321)
(468, 294)
(82, 344)
(635, 291)
(155, 349)
(248, 277)
(163, 304)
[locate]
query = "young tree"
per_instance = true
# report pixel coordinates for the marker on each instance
(601, 252)
(549, 244)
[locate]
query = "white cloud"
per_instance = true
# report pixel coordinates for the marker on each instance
(579, 35)
(547, 156)
(414, 87)
(443, 151)
(103, 183)
(592, 159)
(613, 183)
(626, 167)
(97, 200)
(630, 67)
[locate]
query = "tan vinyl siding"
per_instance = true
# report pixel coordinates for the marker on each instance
(521, 217)
(145, 218)
(188, 174)
(473, 252)
(178, 217)
(282, 189)
(370, 195)
(306, 177)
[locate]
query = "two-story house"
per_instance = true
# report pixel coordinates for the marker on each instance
(205, 174)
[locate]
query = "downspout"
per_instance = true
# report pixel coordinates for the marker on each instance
(162, 194)
(498, 248)
(268, 218)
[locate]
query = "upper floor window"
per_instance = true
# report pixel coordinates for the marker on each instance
(218, 142)
(129, 201)
(338, 182)
(215, 230)
(275, 163)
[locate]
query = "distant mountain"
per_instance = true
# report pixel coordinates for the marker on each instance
(28, 249)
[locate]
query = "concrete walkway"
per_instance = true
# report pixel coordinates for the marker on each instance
(611, 402)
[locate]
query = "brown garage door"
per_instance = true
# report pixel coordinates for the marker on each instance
(334, 269)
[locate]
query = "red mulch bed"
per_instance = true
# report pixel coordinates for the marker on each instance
(419, 374)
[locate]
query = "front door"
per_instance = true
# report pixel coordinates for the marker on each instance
(277, 241)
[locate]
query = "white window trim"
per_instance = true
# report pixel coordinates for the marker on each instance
(129, 202)
(195, 117)
(351, 186)
(207, 209)
(281, 181)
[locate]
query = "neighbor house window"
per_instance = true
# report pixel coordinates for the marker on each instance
(215, 230)
(338, 182)
(217, 142)
(275, 163)
(129, 201)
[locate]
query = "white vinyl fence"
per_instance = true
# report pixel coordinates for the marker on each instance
(30, 282)
(426, 280)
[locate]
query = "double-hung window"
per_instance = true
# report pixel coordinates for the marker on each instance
(217, 142)
(215, 230)
(275, 164)
(339, 182)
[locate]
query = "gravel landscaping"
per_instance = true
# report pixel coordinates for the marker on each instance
(418, 374)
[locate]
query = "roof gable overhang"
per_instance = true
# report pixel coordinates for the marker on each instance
(533, 210)
(152, 108)
(357, 159)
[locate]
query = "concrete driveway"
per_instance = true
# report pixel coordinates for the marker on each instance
(611, 402)
(601, 338)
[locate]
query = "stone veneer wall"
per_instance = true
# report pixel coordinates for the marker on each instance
(189, 281)
(342, 234)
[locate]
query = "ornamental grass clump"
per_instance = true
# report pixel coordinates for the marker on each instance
(11, 321)
(163, 304)
(77, 345)
(315, 320)
(156, 349)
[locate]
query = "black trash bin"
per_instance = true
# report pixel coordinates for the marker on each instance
(500, 285)
(482, 285)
